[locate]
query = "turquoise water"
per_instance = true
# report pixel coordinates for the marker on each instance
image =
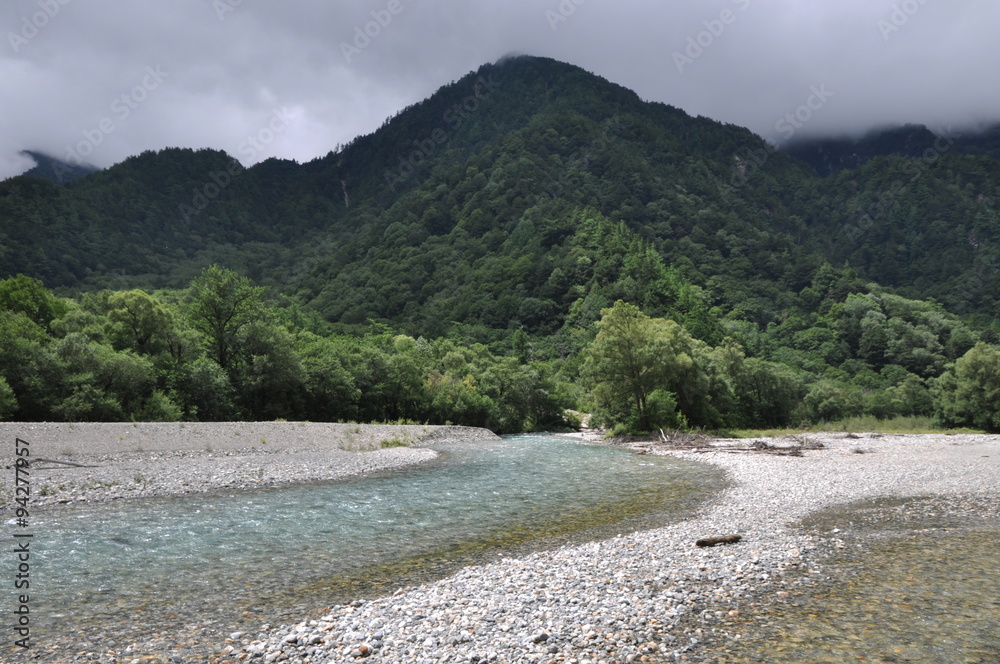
(190, 569)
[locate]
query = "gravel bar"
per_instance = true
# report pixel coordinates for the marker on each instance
(647, 596)
(79, 463)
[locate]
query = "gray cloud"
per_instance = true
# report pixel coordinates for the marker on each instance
(111, 79)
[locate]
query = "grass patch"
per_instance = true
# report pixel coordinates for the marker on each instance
(862, 424)
(396, 441)
(97, 484)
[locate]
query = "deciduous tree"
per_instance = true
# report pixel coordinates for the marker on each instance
(223, 304)
(968, 394)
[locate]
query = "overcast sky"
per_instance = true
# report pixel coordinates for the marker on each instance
(105, 79)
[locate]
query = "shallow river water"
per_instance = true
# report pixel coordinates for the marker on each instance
(183, 573)
(909, 581)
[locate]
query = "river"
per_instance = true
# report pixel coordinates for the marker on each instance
(188, 571)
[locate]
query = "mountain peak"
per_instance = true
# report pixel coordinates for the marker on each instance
(56, 170)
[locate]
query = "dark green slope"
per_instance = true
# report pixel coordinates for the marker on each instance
(528, 193)
(508, 190)
(930, 230)
(485, 236)
(829, 155)
(56, 170)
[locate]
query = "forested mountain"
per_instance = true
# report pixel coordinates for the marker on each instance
(500, 166)
(516, 205)
(829, 155)
(56, 170)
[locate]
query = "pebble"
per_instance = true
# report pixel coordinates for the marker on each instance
(646, 596)
(651, 595)
(296, 453)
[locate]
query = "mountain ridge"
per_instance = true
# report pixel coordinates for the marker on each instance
(524, 143)
(463, 263)
(56, 170)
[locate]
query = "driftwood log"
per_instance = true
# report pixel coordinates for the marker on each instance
(702, 444)
(722, 539)
(64, 463)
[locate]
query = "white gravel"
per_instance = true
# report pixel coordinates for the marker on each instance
(641, 595)
(119, 461)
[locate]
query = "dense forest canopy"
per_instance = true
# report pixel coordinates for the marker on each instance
(472, 260)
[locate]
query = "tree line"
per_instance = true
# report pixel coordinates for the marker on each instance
(648, 373)
(225, 349)
(219, 351)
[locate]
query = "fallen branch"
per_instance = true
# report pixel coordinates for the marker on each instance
(777, 451)
(677, 439)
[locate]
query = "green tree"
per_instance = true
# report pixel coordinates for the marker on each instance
(223, 304)
(29, 367)
(391, 384)
(458, 400)
(624, 364)
(829, 401)
(139, 322)
(911, 397)
(522, 396)
(330, 394)
(767, 393)
(634, 356)
(205, 390)
(29, 296)
(8, 400)
(270, 379)
(968, 393)
(103, 385)
(158, 407)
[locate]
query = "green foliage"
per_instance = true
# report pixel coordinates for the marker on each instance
(158, 407)
(271, 376)
(28, 296)
(138, 321)
(857, 424)
(131, 355)
(98, 383)
(767, 394)
(8, 400)
(648, 373)
(330, 392)
(661, 410)
(828, 401)
(223, 303)
(968, 394)
(207, 393)
(624, 366)
(475, 287)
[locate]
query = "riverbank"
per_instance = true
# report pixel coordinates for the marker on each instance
(652, 595)
(102, 462)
